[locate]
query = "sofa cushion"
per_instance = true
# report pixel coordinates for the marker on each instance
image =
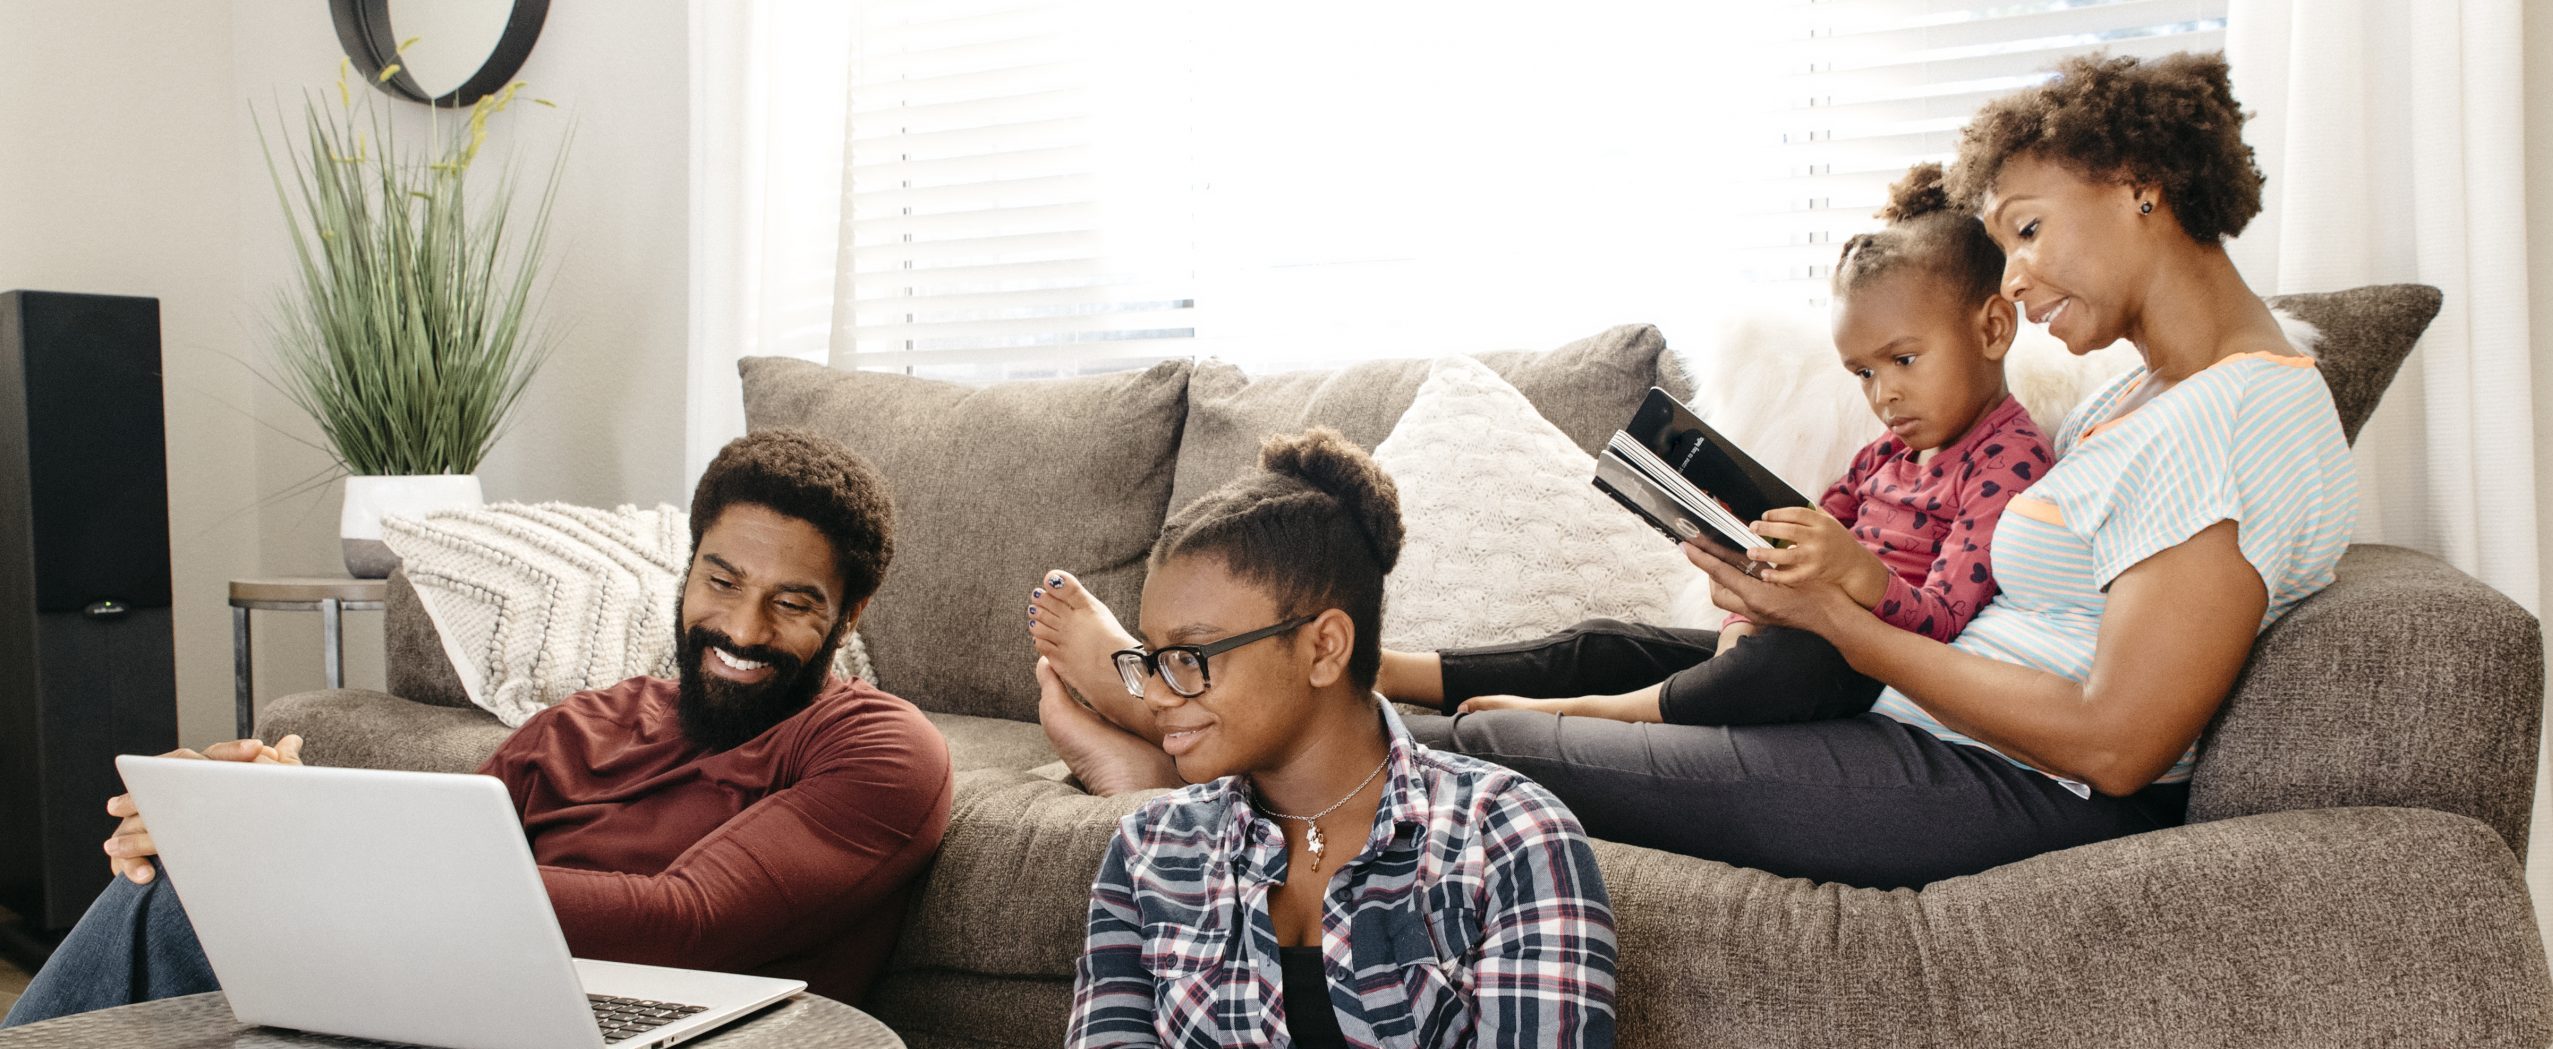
(2334, 927)
(1010, 895)
(992, 743)
(2366, 333)
(1588, 388)
(2288, 929)
(993, 486)
(1506, 539)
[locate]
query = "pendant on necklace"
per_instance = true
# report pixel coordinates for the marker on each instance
(1312, 841)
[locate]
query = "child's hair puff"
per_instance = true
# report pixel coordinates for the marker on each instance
(1926, 235)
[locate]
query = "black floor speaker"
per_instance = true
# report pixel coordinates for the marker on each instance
(87, 663)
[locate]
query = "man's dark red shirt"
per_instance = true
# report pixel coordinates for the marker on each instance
(790, 855)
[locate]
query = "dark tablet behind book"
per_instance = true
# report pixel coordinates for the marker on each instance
(1684, 478)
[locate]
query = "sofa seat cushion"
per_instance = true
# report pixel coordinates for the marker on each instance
(2222, 933)
(993, 743)
(993, 485)
(1588, 388)
(1010, 895)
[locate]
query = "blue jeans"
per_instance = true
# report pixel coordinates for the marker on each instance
(134, 945)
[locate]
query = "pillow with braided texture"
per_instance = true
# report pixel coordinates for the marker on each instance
(535, 603)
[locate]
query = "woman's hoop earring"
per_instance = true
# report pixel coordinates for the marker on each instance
(2146, 208)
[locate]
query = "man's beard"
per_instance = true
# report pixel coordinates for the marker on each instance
(719, 714)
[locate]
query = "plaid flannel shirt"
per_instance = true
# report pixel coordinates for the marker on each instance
(1473, 916)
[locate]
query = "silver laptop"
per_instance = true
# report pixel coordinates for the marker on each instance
(401, 906)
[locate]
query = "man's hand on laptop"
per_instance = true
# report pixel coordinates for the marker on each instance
(129, 849)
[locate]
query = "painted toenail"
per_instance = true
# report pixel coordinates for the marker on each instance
(1056, 580)
(1039, 592)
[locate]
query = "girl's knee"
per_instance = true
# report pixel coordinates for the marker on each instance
(1598, 627)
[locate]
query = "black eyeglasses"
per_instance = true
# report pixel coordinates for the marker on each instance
(1183, 667)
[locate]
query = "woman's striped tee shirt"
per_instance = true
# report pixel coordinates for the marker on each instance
(2253, 439)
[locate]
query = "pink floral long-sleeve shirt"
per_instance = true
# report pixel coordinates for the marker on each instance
(1932, 522)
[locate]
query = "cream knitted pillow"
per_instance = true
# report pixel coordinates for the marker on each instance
(1508, 537)
(538, 602)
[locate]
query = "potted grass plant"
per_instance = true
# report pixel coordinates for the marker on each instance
(409, 331)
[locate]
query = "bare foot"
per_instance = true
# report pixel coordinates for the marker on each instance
(1106, 759)
(1076, 633)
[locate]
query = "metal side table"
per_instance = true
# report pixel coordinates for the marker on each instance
(330, 597)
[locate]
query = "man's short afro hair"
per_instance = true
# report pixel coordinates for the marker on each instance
(2168, 122)
(801, 474)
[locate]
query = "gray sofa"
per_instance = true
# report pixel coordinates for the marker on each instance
(2350, 875)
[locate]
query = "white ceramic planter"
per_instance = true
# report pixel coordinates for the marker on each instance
(369, 499)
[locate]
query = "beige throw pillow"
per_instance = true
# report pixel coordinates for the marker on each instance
(1508, 537)
(536, 603)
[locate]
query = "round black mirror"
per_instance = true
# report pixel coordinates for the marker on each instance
(460, 51)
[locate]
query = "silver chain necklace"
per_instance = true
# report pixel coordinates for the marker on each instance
(1313, 840)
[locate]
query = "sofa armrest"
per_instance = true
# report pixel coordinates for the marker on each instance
(360, 728)
(2404, 683)
(2328, 927)
(1010, 892)
(417, 666)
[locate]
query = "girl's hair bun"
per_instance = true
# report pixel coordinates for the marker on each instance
(1926, 233)
(1924, 190)
(1327, 461)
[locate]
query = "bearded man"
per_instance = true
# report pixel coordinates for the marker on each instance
(757, 815)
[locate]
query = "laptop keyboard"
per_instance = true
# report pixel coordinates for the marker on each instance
(624, 1018)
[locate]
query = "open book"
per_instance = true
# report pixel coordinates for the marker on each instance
(1685, 479)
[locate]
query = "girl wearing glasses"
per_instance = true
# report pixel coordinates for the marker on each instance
(1325, 881)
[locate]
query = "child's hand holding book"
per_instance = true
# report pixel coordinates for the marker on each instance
(1821, 550)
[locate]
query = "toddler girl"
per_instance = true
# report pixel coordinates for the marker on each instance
(1920, 321)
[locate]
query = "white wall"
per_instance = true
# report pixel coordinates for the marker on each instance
(116, 179)
(132, 167)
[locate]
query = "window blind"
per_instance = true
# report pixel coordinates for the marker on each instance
(1040, 187)
(1014, 191)
(1869, 88)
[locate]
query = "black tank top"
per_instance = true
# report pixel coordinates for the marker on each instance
(1309, 1017)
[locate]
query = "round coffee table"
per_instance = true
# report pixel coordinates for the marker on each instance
(203, 1021)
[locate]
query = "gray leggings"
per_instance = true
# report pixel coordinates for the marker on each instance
(1861, 800)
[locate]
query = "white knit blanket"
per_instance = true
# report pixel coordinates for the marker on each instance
(537, 602)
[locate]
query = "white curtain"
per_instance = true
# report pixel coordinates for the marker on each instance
(2392, 135)
(767, 124)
